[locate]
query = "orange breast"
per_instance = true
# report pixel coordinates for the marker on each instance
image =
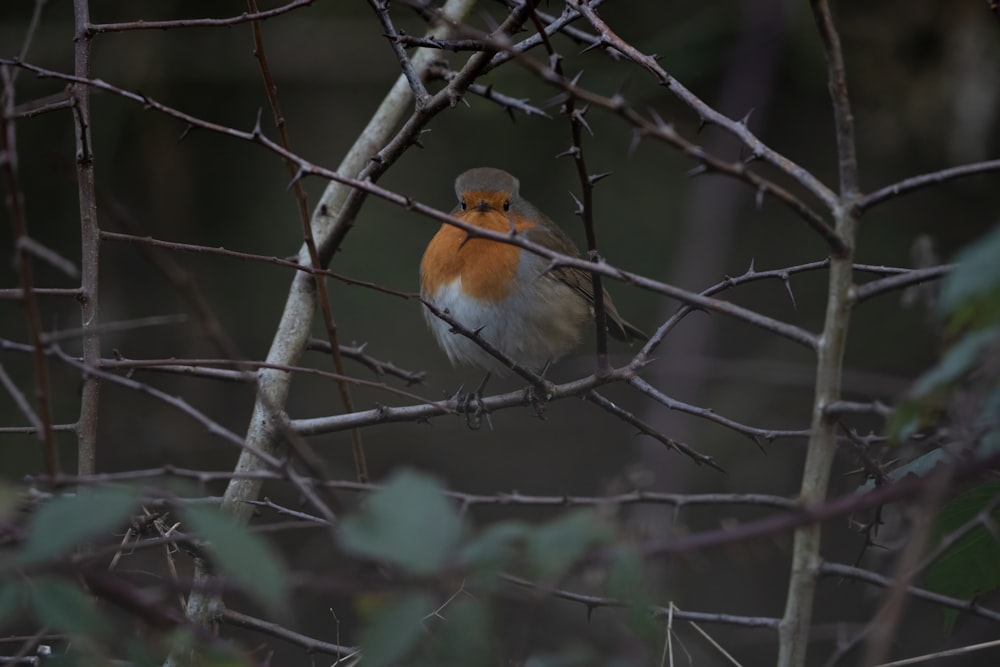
(487, 268)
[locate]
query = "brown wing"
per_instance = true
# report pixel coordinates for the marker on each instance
(555, 238)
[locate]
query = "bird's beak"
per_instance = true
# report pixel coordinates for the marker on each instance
(482, 206)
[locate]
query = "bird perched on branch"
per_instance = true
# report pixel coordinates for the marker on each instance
(501, 291)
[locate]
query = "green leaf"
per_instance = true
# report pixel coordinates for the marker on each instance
(69, 520)
(920, 466)
(491, 552)
(495, 546)
(969, 567)
(394, 628)
(65, 608)
(464, 636)
(409, 522)
(243, 556)
(627, 582)
(959, 359)
(976, 275)
(553, 547)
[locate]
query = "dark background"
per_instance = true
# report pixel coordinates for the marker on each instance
(923, 79)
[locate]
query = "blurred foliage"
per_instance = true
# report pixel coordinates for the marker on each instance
(968, 569)
(961, 397)
(45, 575)
(411, 510)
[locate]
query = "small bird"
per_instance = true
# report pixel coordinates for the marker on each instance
(503, 292)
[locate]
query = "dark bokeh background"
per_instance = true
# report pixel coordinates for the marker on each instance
(923, 79)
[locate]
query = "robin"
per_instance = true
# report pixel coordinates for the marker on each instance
(503, 292)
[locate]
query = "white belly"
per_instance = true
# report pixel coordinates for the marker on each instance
(532, 331)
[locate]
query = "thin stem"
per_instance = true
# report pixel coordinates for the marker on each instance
(26, 274)
(90, 244)
(322, 298)
(806, 559)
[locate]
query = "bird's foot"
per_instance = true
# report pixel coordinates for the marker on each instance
(472, 406)
(537, 394)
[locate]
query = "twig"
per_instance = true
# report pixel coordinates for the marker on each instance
(948, 653)
(908, 185)
(98, 28)
(646, 429)
(503, 499)
(900, 281)
(195, 366)
(310, 644)
(378, 366)
(210, 425)
(20, 401)
(381, 9)
(851, 572)
(90, 243)
(26, 274)
(592, 602)
(246, 256)
(705, 413)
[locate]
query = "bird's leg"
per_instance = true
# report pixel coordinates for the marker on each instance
(535, 393)
(472, 405)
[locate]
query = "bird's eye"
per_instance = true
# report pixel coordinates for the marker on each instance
(462, 203)
(506, 205)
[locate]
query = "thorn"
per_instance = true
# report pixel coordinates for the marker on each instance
(621, 89)
(299, 175)
(185, 133)
(697, 171)
(658, 120)
(702, 122)
(634, 142)
(571, 151)
(554, 101)
(554, 61)
(788, 288)
(576, 79)
(594, 178)
(743, 121)
(579, 204)
(256, 125)
(596, 44)
(759, 198)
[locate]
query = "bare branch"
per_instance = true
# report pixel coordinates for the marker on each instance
(245, 17)
(913, 183)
